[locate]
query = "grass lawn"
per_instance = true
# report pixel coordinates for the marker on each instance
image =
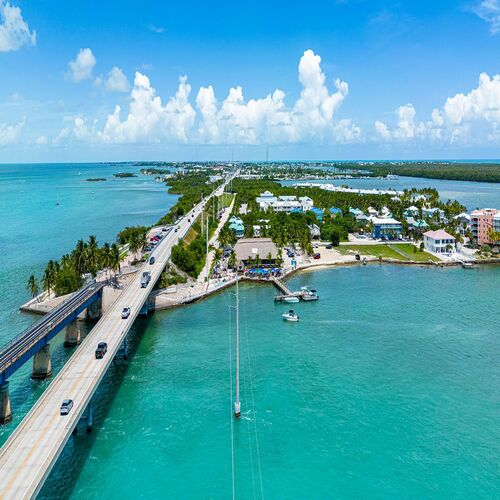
(404, 252)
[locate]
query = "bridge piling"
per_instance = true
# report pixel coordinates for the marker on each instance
(95, 309)
(42, 367)
(72, 334)
(5, 414)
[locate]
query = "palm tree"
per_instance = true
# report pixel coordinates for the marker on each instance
(79, 255)
(50, 275)
(105, 257)
(135, 244)
(92, 255)
(115, 258)
(32, 286)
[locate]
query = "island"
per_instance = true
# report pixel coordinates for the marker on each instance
(96, 179)
(124, 175)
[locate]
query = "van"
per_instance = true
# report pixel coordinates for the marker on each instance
(146, 276)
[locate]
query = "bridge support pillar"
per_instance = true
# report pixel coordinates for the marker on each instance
(90, 417)
(42, 367)
(94, 310)
(5, 414)
(72, 334)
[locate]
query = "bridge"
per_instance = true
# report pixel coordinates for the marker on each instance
(29, 454)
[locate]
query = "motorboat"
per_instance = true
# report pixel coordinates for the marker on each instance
(467, 265)
(291, 299)
(309, 295)
(290, 316)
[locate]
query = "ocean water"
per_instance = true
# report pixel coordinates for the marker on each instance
(471, 194)
(34, 229)
(386, 388)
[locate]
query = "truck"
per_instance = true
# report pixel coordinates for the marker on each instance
(145, 278)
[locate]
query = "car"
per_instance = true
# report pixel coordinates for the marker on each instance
(66, 406)
(175, 230)
(164, 229)
(329, 247)
(125, 312)
(151, 260)
(102, 349)
(317, 256)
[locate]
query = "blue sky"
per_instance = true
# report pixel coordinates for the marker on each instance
(346, 79)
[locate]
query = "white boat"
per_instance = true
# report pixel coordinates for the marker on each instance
(291, 299)
(290, 316)
(310, 295)
(467, 265)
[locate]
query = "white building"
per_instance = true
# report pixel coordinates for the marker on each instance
(439, 242)
(265, 199)
(306, 202)
(286, 203)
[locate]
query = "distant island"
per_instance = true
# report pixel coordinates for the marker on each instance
(96, 179)
(155, 171)
(124, 174)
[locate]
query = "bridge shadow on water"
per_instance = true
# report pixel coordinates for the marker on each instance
(63, 477)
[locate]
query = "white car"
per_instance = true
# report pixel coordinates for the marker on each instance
(125, 312)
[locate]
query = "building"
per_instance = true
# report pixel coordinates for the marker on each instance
(265, 199)
(334, 211)
(439, 242)
(236, 225)
(386, 227)
(247, 250)
(411, 211)
(318, 212)
(482, 221)
(355, 211)
(256, 231)
(315, 231)
(306, 202)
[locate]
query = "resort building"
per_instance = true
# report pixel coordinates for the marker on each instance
(250, 250)
(482, 222)
(411, 211)
(386, 227)
(334, 211)
(306, 202)
(439, 242)
(265, 199)
(286, 203)
(318, 212)
(315, 231)
(236, 225)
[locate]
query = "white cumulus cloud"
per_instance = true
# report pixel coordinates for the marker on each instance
(117, 81)
(10, 134)
(14, 31)
(83, 65)
(489, 11)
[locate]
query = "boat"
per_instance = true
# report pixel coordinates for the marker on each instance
(467, 265)
(291, 299)
(290, 316)
(310, 295)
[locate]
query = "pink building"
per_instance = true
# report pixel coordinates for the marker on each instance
(481, 221)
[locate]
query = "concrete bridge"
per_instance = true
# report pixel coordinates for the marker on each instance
(28, 456)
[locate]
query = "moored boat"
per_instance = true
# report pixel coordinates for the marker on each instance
(290, 316)
(309, 295)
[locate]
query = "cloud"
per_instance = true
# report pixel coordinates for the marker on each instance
(82, 67)
(489, 11)
(234, 120)
(14, 31)
(466, 118)
(117, 81)
(156, 29)
(10, 134)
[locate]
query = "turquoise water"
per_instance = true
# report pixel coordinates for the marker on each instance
(471, 194)
(34, 229)
(388, 387)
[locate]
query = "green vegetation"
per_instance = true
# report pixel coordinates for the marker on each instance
(66, 276)
(32, 286)
(479, 172)
(169, 277)
(124, 175)
(136, 237)
(95, 179)
(398, 251)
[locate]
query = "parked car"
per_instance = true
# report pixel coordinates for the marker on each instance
(66, 406)
(329, 247)
(125, 312)
(164, 229)
(317, 256)
(102, 349)
(175, 230)
(151, 260)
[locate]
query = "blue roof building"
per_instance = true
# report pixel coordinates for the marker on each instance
(318, 212)
(335, 211)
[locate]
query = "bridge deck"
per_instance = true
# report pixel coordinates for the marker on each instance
(31, 451)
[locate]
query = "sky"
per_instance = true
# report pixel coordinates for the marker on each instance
(326, 80)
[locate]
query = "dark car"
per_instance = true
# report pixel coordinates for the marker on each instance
(151, 260)
(102, 349)
(329, 247)
(66, 406)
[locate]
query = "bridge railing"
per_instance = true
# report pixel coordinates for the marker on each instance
(32, 334)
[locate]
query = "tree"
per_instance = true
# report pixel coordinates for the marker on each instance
(105, 257)
(421, 246)
(115, 258)
(32, 286)
(335, 236)
(49, 276)
(232, 260)
(68, 280)
(92, 255)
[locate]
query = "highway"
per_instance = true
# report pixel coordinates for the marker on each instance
(29, 454)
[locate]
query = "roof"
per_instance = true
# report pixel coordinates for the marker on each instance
(440, 234)
(385, 220)
(251, 247)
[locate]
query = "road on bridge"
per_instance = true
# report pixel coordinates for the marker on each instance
(29, 454)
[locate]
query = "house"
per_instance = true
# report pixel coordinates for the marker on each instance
(286, 205)
(363, 219)
(372, 211)
(334, 211)
(318, 212)
(432, 212)
(411, 211)
(265, 200)
(306, 203)
(482, 221)
(355, 211)
(386, 227)
(315, 231)
(256, 231)
(439, 242)
(247, 250)
(236, 225)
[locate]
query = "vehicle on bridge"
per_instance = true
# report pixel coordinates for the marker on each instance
(102, 349)
(125, 312)
(151, 260)
(66, 406)
(145, 278)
